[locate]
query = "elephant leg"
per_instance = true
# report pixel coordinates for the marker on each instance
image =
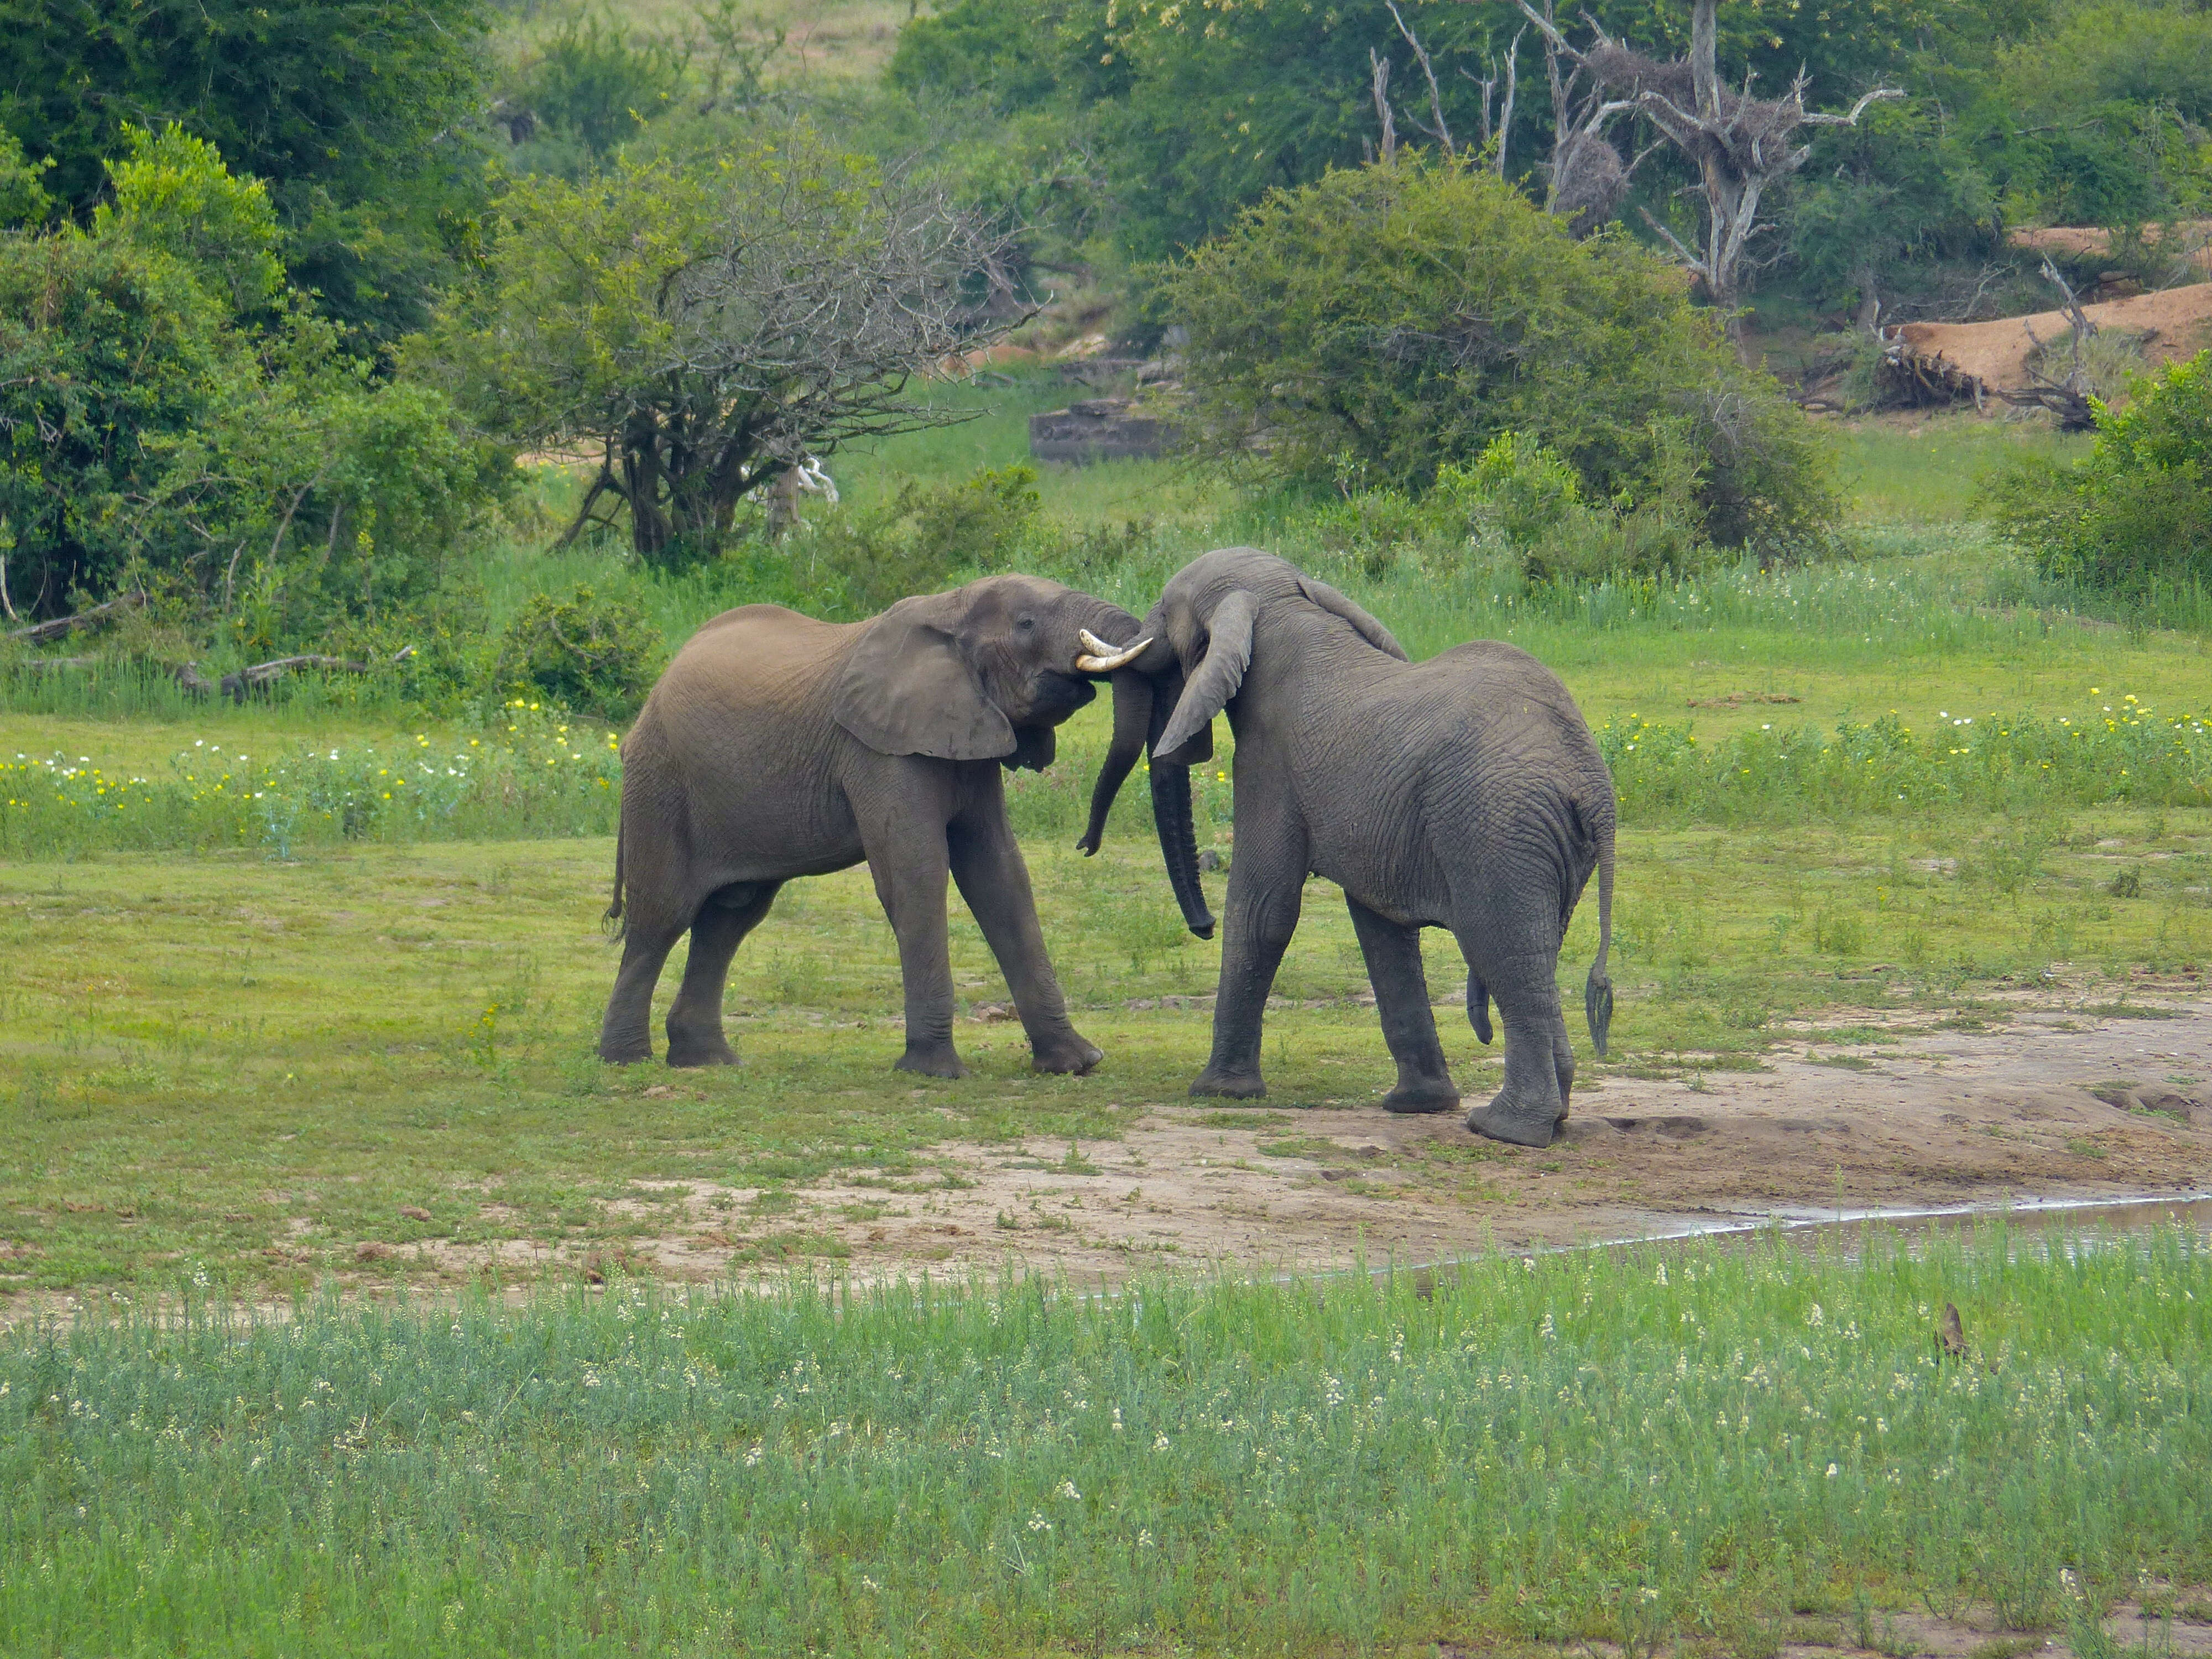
(987, 864)
(1401, 1000)
(1539, 1066)
(694, 1019)
(626, 1031)
(909, 867)
(1266, 887)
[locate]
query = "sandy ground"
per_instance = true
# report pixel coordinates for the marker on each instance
(2176, 324)
(1885, 1110)
(2172, 1620)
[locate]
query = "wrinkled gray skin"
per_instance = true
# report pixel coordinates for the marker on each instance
(1464, 793)
(778, 746)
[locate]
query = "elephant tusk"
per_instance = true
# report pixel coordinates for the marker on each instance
(1100, 658)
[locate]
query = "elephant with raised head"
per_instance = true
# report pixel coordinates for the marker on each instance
(1465, 792)
(778, 746)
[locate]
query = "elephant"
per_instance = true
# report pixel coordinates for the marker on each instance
(777, 746)
(1465, 792)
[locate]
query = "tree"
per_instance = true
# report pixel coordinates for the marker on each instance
(1372, 328)
(1740, 145)
(358, 115)
(168, 413)
(703, 323)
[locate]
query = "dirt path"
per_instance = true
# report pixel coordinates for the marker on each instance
(2042, 1103)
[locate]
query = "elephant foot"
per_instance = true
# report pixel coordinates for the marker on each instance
(687, 1056)
(635, 1053)
(1510, 1121)
(1071, 1054)
(1422, 1095)
(1228, 1085)
(931, 1063)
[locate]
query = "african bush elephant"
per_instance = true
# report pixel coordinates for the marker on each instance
(778, 746)
(1465, 793)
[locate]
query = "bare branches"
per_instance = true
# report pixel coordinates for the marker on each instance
(1379, 84)
(1813, 120)
(736, 319)
(1437, 130)
(1739, 145)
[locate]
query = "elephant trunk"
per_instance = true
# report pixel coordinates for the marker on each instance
(1171, 814)
(1133, 725)
(1179, 843)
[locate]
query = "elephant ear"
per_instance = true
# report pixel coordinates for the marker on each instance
(1369, 630)
(907, 688)
(1219, 672)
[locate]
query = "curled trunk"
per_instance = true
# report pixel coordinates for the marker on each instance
(1133, 725)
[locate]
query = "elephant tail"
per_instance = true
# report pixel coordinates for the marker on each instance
(612, 921)
(1597, 993)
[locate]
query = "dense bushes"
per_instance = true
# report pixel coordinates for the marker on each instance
(2136, 515)
(1379, 326)
(595, 654)
(171, 415)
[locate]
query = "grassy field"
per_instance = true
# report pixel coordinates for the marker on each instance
(279, 972)
(1732, 1451)
(256, 1068)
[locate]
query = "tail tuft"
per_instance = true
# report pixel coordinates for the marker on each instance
(612, 923)
(1597, 993)
(1597, 1008)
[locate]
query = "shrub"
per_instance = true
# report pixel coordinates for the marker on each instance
(169, 410)
(1521, 501)
(923, 540)
(1385, 323)
(2136, 515)
(596, 654)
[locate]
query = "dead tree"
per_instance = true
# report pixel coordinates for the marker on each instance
(1739, 144)
(2071, 399)
(1586, 180)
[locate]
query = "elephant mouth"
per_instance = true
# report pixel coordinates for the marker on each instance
(1056, 695)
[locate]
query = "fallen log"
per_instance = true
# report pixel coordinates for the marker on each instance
(60, 627)
(232, 685)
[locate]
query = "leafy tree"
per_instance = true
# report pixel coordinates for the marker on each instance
(1895, 190)
(702, 324)
(2101, 120)
(1369, 328)
(2137, 514)
(171, 414)
(357, 113)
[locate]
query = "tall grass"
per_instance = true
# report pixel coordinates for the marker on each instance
(1626, 1447)
(525, 774)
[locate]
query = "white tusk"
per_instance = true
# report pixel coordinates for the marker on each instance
(1104, 658)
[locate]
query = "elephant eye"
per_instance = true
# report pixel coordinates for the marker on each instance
(1027, 624)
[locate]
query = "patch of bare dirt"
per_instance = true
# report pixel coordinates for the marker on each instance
(2173, 325)
(1889, 1110)
(2165, 1622)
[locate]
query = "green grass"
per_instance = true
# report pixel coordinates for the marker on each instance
(1925, 470)
(254, 1065)
(1631, 1447)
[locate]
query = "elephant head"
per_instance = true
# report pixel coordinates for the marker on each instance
(1198, 644)
(984, 673)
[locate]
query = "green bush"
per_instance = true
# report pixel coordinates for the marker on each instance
(924, 538)
(597, 654)
(2136, 515)
(173, 415)
(1383, 323)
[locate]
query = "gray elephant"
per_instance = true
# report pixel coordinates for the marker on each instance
(1465, 793)
(778, 746)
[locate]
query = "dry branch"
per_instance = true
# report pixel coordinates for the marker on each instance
(60, 627)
